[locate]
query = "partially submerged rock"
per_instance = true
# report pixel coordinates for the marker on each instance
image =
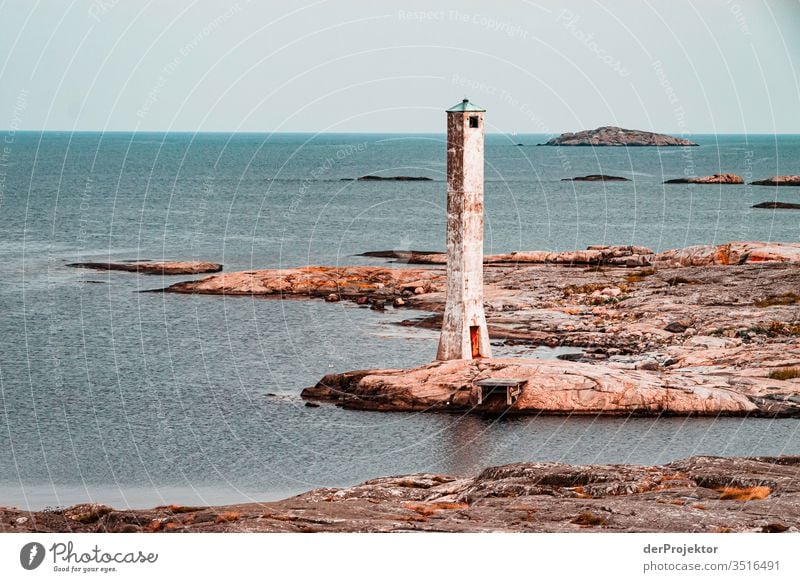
(778, 205)
(715, 179)
(778, 181)
(596, 178)
(550, 387)
(402, 255)
(374, 178)
(617, 136)
(153, 267)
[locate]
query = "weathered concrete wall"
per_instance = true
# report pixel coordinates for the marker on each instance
(464, 240)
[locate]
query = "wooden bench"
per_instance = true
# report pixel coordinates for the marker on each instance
(510, 388)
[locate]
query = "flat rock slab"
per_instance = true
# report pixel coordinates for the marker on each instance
(621, 255)
(699, 494)
(372, 178)
(732, 253)
(153, 267)
(551, 387)
(344, 282)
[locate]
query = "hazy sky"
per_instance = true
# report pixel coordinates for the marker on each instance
(536, 66)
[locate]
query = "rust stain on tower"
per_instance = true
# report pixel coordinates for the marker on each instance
(464, 334)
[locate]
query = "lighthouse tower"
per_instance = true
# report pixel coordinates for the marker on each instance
(464, 334)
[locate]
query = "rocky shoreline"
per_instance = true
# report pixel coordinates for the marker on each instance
(711, 330)
(622, 256)
(701, 330)
(699, 494)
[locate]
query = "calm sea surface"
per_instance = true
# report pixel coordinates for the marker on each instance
(135, 399)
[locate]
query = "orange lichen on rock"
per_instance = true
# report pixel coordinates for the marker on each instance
(427, 509)
(744, 493)
(581, 493)
(587, 518)
(724, 254)
(227, 517)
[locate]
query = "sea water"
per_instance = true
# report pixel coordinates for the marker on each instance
(137, 399)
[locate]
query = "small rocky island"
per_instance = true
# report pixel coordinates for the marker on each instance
(699, 494)
(617, 136)
(153, 267)
(778, 181)
(374, 178)
(778, 205)
(596, 178)
(713, 179)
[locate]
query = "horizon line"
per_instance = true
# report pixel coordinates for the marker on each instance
(8, 131)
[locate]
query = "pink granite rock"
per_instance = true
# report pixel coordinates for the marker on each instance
(778, 181)
(732, 253)
(551, 387)
(346, 282)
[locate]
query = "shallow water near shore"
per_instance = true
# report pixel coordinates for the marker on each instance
(138, 399)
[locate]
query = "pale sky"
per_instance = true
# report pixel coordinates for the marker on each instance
(715, 66)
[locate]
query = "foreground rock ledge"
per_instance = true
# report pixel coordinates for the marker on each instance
(700, 494)
(551, 387)
(153, 267)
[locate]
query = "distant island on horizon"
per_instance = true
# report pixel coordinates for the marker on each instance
(617, 136)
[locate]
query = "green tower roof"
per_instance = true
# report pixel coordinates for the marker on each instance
(465, 105)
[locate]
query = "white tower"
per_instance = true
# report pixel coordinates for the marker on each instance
(464, 334)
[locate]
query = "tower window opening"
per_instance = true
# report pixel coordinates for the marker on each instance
(473, 121)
